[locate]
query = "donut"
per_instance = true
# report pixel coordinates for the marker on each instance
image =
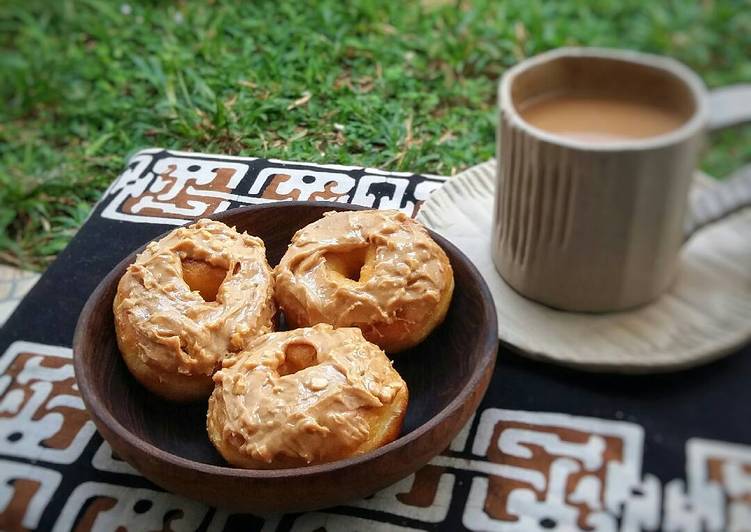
(379, 271)
(188, 299)
(302, 397)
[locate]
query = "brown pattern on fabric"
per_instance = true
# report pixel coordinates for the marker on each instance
(11, 519)
(164, 187)
(716, 472)
(93, 509)
(299, 185)
(424, 487)
(499, 489)
(181, 193)
(272, 189)
(103, 504)
(328, 193)
(74, 418)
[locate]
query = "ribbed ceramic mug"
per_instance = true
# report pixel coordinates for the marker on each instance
(596, 227)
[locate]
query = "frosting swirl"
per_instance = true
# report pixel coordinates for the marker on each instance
(308, 394)
(392, 293)
(171, 327)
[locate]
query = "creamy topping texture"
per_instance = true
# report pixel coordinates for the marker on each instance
(174, 328)
(268, 405)
(404, 276)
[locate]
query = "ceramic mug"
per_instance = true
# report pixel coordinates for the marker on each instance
(598, 226)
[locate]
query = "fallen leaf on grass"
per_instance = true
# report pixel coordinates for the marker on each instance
(446, 137)
(305, 98)
(300, 132)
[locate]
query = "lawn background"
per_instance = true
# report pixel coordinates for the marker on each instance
(397, 85)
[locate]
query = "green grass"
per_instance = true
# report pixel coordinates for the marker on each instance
(413, 85)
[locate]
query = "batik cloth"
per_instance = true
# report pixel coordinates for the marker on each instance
(549, 448)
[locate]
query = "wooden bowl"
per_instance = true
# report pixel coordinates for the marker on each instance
(447, 376)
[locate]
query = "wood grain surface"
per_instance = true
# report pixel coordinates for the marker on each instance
(447, 376)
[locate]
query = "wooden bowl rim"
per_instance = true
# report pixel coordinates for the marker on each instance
(488, 345)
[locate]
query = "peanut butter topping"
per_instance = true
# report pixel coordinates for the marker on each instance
(306, 393)
(173, 327)
(402, 277)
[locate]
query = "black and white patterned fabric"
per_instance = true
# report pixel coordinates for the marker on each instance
(548, 449)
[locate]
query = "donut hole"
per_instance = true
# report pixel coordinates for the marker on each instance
(297, 357)
(204, 278)
(348, 264)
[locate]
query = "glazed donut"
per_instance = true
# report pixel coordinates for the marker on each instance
(303, 397)
(376, 270)
(190, 298)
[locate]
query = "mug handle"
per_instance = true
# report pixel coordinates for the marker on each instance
(728, 107)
